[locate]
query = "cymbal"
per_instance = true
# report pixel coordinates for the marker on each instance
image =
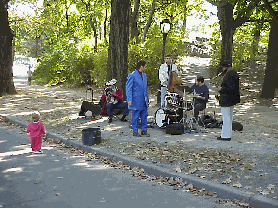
(189, 96)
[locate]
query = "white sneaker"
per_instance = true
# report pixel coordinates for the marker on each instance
(39, 152)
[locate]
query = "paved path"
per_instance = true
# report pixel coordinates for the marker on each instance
(60, 178)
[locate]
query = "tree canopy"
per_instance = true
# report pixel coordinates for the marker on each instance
(70, 38)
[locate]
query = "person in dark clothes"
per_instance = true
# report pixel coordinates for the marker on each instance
(201, 95)
(229, 96)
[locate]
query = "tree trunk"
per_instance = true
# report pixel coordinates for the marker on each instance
(256, 40)
(227, 27)
(6, 52)
(94, 30)
(149, 21)
(271, 72)
(104, 26)
(96, 37)
(255, 44)
(185, 14)
(134, 32)
(117, 63)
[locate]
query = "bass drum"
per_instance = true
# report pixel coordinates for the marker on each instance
(160, 118)
(164, 117)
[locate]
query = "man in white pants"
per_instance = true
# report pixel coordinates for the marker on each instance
(229, 96)
(164, 76)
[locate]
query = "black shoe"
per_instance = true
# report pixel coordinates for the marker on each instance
(144, 133)
(136, 134)
(110, 120)
(123, 119)
(223, 139)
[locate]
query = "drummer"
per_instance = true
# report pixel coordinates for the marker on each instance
(201, 95)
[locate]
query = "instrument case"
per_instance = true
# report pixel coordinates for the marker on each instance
(89, 105)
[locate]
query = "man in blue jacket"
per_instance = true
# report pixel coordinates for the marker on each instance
(138, 98)
(229, 96)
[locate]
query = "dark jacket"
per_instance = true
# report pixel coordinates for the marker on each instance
(229, 94)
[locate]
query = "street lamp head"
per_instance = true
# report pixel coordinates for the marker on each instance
(165, 26)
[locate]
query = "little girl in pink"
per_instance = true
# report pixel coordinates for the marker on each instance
(36, 129)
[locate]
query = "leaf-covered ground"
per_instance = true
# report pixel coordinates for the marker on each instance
(249, 162)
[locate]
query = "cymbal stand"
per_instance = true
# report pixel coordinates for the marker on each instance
(193, 121)
(184, 108)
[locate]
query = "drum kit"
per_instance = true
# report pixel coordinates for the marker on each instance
(176, 111)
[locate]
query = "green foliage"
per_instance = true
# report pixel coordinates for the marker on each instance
(72, 63)
(242, 46)
(151, 52)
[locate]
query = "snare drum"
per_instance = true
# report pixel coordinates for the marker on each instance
(172, 100)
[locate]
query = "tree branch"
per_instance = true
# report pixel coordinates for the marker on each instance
(274, 1)
(241, 18)
(258, 20)
(269, 7)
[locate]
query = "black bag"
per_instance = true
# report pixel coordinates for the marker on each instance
(236, 126)
(86, 105)
(209, 122)
(175, 129)
(95, 109)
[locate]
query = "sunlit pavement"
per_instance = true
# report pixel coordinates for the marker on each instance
(58, 178)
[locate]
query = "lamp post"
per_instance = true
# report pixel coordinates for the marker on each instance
(165, 26)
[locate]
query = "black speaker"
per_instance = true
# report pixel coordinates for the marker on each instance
(175, 129)
(91, 136)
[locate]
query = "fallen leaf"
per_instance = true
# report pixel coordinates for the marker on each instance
(248, 177)
(238, 185)
(193, 170)
(60, 177)
(37, 182)
(227, 181)
(211, 193)
(259, 189)
(271, 186)
(58, 194)
(177, 169)
(189, 187)
(265, 192)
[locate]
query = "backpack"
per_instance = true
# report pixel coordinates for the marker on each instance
(209, 122)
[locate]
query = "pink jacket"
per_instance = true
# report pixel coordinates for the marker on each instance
(35, 129)
(118, 95)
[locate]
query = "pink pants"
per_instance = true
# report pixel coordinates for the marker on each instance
(36, 143)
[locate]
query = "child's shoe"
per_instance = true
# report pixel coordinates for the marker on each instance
(39, 152)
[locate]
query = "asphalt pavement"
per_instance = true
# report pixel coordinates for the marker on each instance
(61, 178)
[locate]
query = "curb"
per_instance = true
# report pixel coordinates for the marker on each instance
(222, 191)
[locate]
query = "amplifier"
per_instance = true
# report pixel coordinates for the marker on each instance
(175, 128)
